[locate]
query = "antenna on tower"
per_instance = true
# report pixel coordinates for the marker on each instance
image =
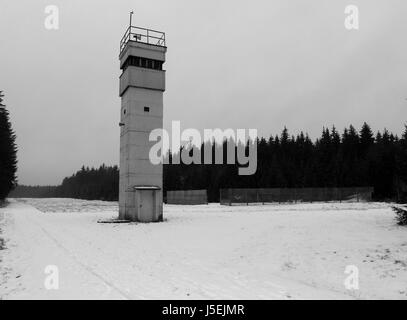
(131, 14)
(135, 35)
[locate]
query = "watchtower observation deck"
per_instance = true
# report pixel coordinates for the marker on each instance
(142, 35)
(142, 55)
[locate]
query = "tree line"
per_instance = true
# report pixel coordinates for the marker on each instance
(8, 153)
(348, 159)
(88, 183)
(353, 158)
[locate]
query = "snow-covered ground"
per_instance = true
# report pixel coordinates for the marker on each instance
(287, 251)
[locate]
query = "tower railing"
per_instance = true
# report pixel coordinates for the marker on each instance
(142, 35)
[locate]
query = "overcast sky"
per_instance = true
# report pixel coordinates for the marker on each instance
(230, 64)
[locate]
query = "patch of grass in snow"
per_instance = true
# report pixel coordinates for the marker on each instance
(288, 265)
(401, 263)
(401, 215)
(2, 243)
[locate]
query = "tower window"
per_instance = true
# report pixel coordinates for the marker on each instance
(146, 109)
(143, 63)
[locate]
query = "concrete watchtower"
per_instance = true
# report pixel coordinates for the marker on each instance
(142, 84)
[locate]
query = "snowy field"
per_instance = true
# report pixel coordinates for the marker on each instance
(290, 251)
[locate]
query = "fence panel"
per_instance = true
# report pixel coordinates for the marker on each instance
(187, 197)
(246, 196)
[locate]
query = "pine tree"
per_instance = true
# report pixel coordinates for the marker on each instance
(366, 139)
(366, 154)
(8, 153)
(401, 167)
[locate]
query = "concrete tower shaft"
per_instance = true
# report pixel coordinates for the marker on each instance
(142, 84)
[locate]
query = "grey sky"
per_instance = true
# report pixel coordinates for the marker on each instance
(252, 64)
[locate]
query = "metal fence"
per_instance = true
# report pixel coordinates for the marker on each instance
(187, 197)
(147, 36)
(246, 196)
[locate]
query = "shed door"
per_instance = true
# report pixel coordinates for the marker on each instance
(147, 205)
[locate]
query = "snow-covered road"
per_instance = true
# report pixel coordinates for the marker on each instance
(296, 251)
